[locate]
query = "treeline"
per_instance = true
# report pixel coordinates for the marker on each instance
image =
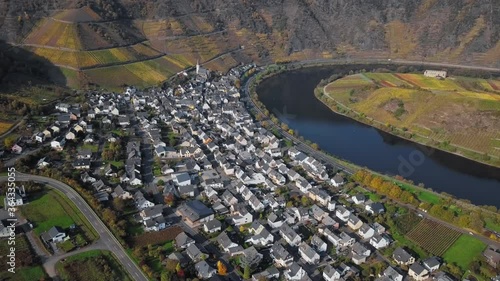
(447, 209)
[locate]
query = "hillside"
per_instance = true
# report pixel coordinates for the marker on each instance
(93, 37)
(458, 114)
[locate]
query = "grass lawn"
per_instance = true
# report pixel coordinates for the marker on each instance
(51, 209)
(169, 246)
(94, 265)
(28, 273)
(92, 147)
(117, 164)
(490, 224)
(464, 250)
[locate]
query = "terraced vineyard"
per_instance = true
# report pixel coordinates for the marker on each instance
(433, 237)
(458, 114)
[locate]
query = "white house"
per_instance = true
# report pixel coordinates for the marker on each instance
(365, 231)
(295, 273)
(379, 241)
(418, 272)
(331, 274)
(308, 253)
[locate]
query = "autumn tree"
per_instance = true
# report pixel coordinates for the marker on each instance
(221, 268)
(169, 199)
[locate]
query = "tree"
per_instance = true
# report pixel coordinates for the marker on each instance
(246, 272)
(305, 201)
(169, 199)
(221, 268)
(9, 141)
(315, 146)
(119, 204)
(166, 276)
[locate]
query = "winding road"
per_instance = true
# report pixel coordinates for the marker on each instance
(107, 240)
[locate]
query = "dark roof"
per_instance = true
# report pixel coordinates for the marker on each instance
(195, 210)
(401, 255)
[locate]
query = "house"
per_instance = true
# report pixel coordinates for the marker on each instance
(366, 232)
(431, 264)
(203, 270)
(380, 241)
(121, 193)
(152, 212)
(194, 253)
(391, 274)
(154, 224)
(262, 237)
(58, 143)
(402, 257)
(182, 179)
(317, 212)
(492, 256)
(435, 73)
(308, 253)
(212, 226)
(182, 240)
(84, 154)
(270, 273)
(418, 272)
(53, 235)
(16, 149)
(342, 213)
(251, 256)
(358, 199)
(195, 212)
(359, 253)
(42, 163)
(240, 215)
(187, 190)
(274, 220)
(354, 222)
(441, 276)
(375, 208)
(227, 245)
(337, 180)
(81, 164)
(15, 201)
(40, 137)
(290, 236)
(318, 244)
(331, 274)
(281, 257)
(295, 273)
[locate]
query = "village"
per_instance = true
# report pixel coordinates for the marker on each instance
(195, 158)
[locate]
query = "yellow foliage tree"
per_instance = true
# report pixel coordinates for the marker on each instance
(221, 268)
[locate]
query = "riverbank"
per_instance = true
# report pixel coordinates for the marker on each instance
(341, 108)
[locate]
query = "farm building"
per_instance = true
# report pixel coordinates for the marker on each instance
(435, 73)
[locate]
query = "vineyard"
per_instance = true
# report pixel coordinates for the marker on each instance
(456, 113)
(433, 237)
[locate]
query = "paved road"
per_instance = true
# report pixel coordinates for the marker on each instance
(108, 239)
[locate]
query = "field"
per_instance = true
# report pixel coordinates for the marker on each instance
(92, 265)
(62, 213)
(456, 113)
(157, 237)
(464, 250)
(5, 126)
(433, 237)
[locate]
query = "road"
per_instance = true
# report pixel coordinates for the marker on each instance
(107, 239)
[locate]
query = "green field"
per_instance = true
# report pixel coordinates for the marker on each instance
(464, 250)
(491, 224)
(456, 113)
(62, 213)
(92, 265)
(28, 273)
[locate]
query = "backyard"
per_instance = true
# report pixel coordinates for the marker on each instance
(62, 213)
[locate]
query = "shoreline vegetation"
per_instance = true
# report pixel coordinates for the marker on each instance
(460, 212)
(402, 132)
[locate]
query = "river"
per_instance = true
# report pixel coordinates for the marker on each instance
(290, 97)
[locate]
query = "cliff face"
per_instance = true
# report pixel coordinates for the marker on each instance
(458, 31)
